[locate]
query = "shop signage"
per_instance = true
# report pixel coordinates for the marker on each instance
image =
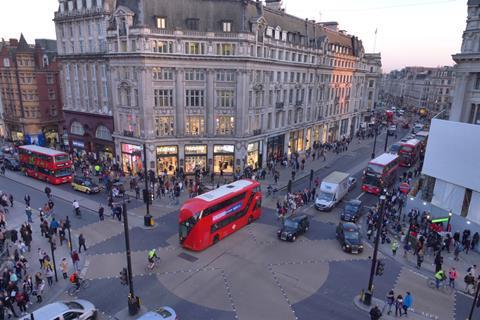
(130, 148)
(224, 148)
(78, 144)
(196, 149)
(167, 150)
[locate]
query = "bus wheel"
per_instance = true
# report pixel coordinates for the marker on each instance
(216, 239)
(250, 219)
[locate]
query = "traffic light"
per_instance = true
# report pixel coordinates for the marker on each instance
(380, 268)
(148, 196)
(124, 277)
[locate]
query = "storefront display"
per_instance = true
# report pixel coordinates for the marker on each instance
(223, 158)
(104, 152)
(275, 147)
(254, 154)
(78, 147)
(195, 157)
(308, 138)
(167, 159)
(296, 141)
(131, 158)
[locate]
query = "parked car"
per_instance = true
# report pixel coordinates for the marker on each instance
(85, 185)
(348, 234)
(392, 129)
(352, 211)
(163, 313)
(292, 227)
(11, 164)
(394, 148)
(76, 309)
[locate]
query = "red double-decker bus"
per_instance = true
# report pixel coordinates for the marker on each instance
(45, 164)
(410, 152)
(210, 217)
(381, 172)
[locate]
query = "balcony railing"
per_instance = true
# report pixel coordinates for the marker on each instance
(298, 103)
(279, 105)
(127, 133)
(257, 132)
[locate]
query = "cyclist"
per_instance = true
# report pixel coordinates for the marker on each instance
(75, 279)
(152, 256)
(439, 278)
(76, 207)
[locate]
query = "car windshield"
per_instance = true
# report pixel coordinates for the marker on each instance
(74, 305)
(62, 158)
(350, 208)
(352, 235)
(63, 172)
(375, 168)
(164, 313)
(290, 224)
(325, 196)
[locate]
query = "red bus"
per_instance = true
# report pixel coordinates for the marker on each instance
(389, 115)
(410, 152)
(422, 136)
(381, 172)
(210, 217)
(45, 164)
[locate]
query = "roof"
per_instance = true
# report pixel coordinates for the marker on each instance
(349, 225)
(50, 311)
(47, 151)
(422, 133)
(23, 46)
(384, 159)
(336, 177)
(224, 190)
(411, 142)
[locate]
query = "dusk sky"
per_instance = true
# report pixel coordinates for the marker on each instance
(410, 32)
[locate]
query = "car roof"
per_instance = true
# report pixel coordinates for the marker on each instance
(355, 202)
(51, 310)
(349, 225)
(152, 315)
(298, 218)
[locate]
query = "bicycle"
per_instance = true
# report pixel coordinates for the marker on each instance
(152, 266)
(84, 283)
(432, 284)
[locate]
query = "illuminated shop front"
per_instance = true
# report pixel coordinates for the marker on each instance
(131, 158)
(195, 157)
(223, 158)
(275, 147)
(167, 159)
(254, 154)
(296, 141)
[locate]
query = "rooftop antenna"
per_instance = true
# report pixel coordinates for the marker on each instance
(375, 40)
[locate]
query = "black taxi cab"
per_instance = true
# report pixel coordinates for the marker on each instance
(85, 185)
(348, 234)
(292, 227)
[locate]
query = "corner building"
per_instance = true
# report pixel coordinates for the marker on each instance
(229, 84)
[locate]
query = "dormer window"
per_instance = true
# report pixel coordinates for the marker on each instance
(227, 26)
(161, 23)
(192, 23)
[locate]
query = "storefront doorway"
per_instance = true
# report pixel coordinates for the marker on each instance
(195, 157)
(131, 158)
(254, 154)
(223, 158)
(167, 159)
(275, 147)
(297, 141)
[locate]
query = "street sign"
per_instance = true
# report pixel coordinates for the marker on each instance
(404, 187)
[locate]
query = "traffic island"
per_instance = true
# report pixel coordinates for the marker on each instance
(380, 303)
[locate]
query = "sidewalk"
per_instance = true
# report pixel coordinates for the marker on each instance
(411, 313)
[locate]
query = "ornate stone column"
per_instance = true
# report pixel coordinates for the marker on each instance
(210, 103)
(179, 102)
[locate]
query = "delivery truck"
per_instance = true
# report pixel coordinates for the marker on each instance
(332, 190)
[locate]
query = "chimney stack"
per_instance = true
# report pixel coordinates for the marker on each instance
(274, 4)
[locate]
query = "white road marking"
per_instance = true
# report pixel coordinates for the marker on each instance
(360, 195)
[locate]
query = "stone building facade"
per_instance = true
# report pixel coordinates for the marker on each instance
(30, 91)
(229, 84)
(81, 27)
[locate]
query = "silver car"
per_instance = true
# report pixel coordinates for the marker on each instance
(163, 313)
(65, 310)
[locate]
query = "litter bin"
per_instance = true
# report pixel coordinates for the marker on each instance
(367, 299)
(133, 305)
(148, 221)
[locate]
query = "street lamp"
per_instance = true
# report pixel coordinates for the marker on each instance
(368, 295)
(53, 248)
(133, 301)
(449, 218)
(476, 301)
(147, 221)
(375, 141)
(67, 225)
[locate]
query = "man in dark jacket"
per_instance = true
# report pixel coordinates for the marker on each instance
(375, 313)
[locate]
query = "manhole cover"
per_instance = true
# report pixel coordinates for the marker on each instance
(187, 257)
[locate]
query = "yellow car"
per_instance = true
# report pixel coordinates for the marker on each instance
(85, 185)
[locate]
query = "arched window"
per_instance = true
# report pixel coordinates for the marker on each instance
(103, 133)
(77, 129)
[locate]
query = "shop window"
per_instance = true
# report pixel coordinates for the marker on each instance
(194, 48)
(164, 126)
(225, 125)
(225, 49)
(103, 133)
(195, 126)
(77, 129)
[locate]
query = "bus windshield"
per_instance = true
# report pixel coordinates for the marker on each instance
(185, 227)
(63, 172)
(375, 168)
(371, 180)
(62, 158)
(407, 149)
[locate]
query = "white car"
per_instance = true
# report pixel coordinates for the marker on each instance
(75, 309)
(163, 313)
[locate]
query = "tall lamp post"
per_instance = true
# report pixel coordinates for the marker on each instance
(67, 225)
(133, 301)
(449, 227)
(368, 295)
(375, 141)
(386, 142)
(148, 218)
(476, 301)
(53, 247)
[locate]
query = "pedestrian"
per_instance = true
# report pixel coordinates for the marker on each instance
(452, 276)
(438, 262)
(28, 212)
(420, 257)
(375, 313)
(49, 275)
(398, 305)
(10, 198)
(394, 247)
(456, 251)
(64, 268)
(27, 200)
(101, 211)
(407, 303)
(466, 244)
(75, 260)
(39, 285)
(439, 278)
(390, 301)
(61, 233)
(81, 243)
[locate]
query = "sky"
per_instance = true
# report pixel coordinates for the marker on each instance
(409, 32)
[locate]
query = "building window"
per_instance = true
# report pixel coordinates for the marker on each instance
(474, 117)
(194, 48)
(164, 126)
(49, 78)
(192, 23)
(162, 46)
(51, 94)
(77, 129)
(194, 98)
(477, 82)
(225, 98)
(226, 75)
(370, 95)
(103, 133)
(225, 49)
(194, 126)
(371, 83)
(163, 97)
(161, 23)
(6, 62)
(160, 74)
(224, 125)
(53, 110)
(227, 26)
(194, 75)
